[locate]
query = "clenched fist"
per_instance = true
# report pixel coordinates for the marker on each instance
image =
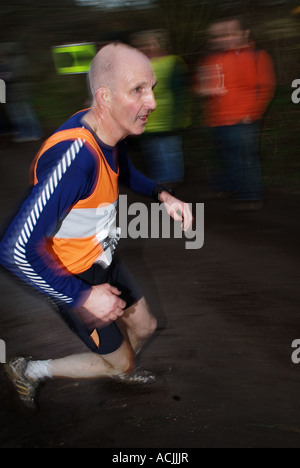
(103, 305)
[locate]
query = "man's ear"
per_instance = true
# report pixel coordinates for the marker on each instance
(103, 96)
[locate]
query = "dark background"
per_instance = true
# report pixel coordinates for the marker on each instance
(227, 313)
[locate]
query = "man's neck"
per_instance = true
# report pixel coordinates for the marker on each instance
(101, 127)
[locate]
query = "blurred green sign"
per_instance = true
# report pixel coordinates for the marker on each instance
(74, 58)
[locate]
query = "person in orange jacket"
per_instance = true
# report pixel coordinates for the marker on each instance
(238, 82)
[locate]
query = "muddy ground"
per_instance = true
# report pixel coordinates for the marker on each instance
(228, 314)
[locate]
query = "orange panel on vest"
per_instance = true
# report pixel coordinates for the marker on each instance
(95, 337)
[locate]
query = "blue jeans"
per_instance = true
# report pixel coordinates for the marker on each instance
(24, 120)
(241, 172)
(164, 157)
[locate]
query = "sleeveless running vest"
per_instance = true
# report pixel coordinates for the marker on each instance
(88, 233)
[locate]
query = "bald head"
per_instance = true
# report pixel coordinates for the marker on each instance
(122, 82)
(107, 65)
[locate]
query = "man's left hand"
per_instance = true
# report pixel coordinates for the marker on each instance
(178, 210)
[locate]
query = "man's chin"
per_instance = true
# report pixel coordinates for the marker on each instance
(139, 131)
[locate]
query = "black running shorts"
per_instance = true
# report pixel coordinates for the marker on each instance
(99, 338)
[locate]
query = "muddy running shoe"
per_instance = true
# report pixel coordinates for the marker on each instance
(26, 389)
(140, 376)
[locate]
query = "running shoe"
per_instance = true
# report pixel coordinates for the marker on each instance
(26, 389)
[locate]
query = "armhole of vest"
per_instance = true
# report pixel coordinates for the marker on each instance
(85, 135)
(68, 135)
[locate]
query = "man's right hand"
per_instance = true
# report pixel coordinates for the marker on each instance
(103, 304)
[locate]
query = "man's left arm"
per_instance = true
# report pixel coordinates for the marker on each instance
(139, 183)
(132, 177)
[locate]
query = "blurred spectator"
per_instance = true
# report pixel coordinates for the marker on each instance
(24, 123)
(162, 143)
(238, 81)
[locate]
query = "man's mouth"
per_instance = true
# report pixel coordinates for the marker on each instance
(144, 117)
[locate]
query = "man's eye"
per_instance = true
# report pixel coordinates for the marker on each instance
(138, 90)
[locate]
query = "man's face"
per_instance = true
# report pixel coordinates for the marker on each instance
(149, 46)
(217, 33)
(228, 35)
(132, 99)
(236, 37)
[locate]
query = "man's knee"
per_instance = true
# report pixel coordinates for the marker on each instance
(122, 360)
(151, 326)
(147, 324)
(146, 329)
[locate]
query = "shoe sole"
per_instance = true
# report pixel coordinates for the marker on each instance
(10, 374)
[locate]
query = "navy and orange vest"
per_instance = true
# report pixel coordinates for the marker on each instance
(88, 233)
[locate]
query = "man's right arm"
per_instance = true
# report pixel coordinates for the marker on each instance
(24, 247)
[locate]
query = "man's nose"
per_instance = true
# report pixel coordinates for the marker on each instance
(150, 102)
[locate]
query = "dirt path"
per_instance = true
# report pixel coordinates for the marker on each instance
(228, 314)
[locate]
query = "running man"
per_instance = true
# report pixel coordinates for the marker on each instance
(62, 240)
